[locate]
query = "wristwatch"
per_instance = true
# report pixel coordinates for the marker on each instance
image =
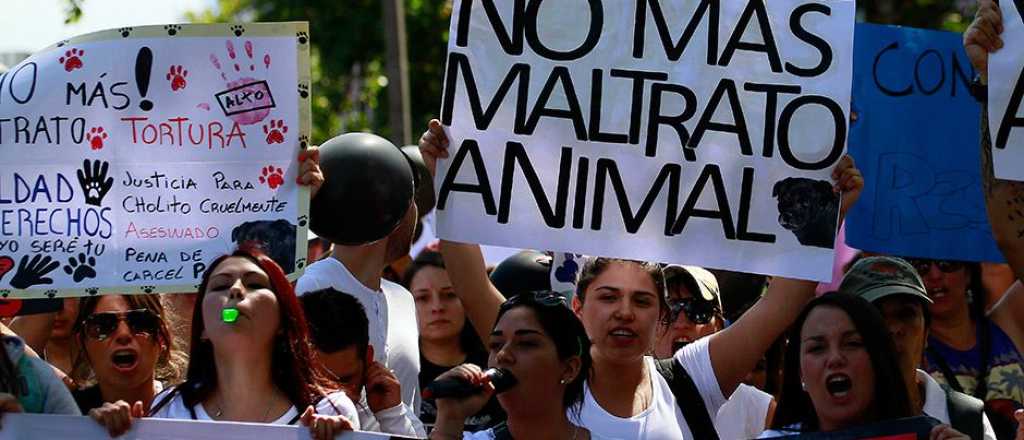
(979, 89)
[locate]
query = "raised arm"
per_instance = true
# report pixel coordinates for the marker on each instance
(1004, 199)
(736, 350)
(464, 262)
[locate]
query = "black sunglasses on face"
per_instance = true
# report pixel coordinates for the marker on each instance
(101, 325)
(924, 266)
(697, 311)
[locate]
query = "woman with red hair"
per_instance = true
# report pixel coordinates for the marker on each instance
(251, 360)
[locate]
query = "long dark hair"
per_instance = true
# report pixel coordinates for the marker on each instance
(565, 329)
(891, 397)
(295, 369)
(469, 340)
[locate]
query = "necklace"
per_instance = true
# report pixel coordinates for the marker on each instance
(220, 411)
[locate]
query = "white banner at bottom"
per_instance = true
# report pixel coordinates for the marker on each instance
(41, 426)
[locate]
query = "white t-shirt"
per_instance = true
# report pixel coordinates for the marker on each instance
(392, 316)
(335, 404)
(743, 415)
(398, 420)
(662, 419)
(935, 403)
(488, 434)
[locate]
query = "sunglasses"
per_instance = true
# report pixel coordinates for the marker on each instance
(100, 326)
(697, 311)
(924, 266)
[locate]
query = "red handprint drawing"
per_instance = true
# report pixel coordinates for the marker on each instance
(177, 76)
(72, 59)
(275, 131)
(272, 176)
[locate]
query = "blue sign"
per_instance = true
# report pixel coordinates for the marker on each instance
(914, 135)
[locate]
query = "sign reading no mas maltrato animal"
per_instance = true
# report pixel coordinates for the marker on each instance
(1006, 96)
(699, 132)
(133, 157)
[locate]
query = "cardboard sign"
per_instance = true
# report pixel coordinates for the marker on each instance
(699, 132)
(915, 138)
(1006, 94)
(21, 426)
(132, 157)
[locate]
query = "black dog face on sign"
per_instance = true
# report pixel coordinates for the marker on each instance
(275, 237)
(808, 208)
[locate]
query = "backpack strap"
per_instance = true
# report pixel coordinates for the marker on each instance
(965, 413)
(164, 401)
(688, 398)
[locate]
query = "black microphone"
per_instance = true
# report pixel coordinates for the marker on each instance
(501, 378)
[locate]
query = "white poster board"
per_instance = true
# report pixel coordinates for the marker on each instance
(40, 426)
(1005, 93)
(698, 132)
(130, 158)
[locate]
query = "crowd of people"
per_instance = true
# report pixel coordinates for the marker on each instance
(367, 339)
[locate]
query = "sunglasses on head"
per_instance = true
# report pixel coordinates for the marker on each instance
(697, 311)
(101, 325)
(924, 266)
(544, 298)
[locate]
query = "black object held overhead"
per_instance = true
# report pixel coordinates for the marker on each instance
(143, 68)
(367, 192)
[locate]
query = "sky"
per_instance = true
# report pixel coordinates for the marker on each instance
(30, 25)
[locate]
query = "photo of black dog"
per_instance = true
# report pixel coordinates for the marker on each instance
(808, 208)
(275, 237)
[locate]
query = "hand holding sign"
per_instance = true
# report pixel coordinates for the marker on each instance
(982, 37)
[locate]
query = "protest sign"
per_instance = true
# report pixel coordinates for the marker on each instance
(132, 157)
(696, 132)
(1005, 96)
(915, 139)
(22, 426)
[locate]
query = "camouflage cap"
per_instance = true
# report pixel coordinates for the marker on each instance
(873, 278)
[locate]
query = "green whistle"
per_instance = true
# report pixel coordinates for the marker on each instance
(229, 315)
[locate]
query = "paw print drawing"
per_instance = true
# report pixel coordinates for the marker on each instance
(81, 268)
(275, 131)
(92, 291)
(148, 289)
(125, 32)
(72, 59)
(177, 76)
(303, 142)
(93, 180)
(238, 30)
(303, 91)
(51, 293)
(172, 29)
(272, 176)
(303, 37)
(303, 219)
(300, 263)
(96, 136)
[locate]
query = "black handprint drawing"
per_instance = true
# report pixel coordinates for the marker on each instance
(31, 273)
(94, 181)
(81, 268)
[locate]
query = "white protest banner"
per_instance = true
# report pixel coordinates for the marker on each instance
(40, 426)
(130, 158)
(1005, 93)
(700, 132)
